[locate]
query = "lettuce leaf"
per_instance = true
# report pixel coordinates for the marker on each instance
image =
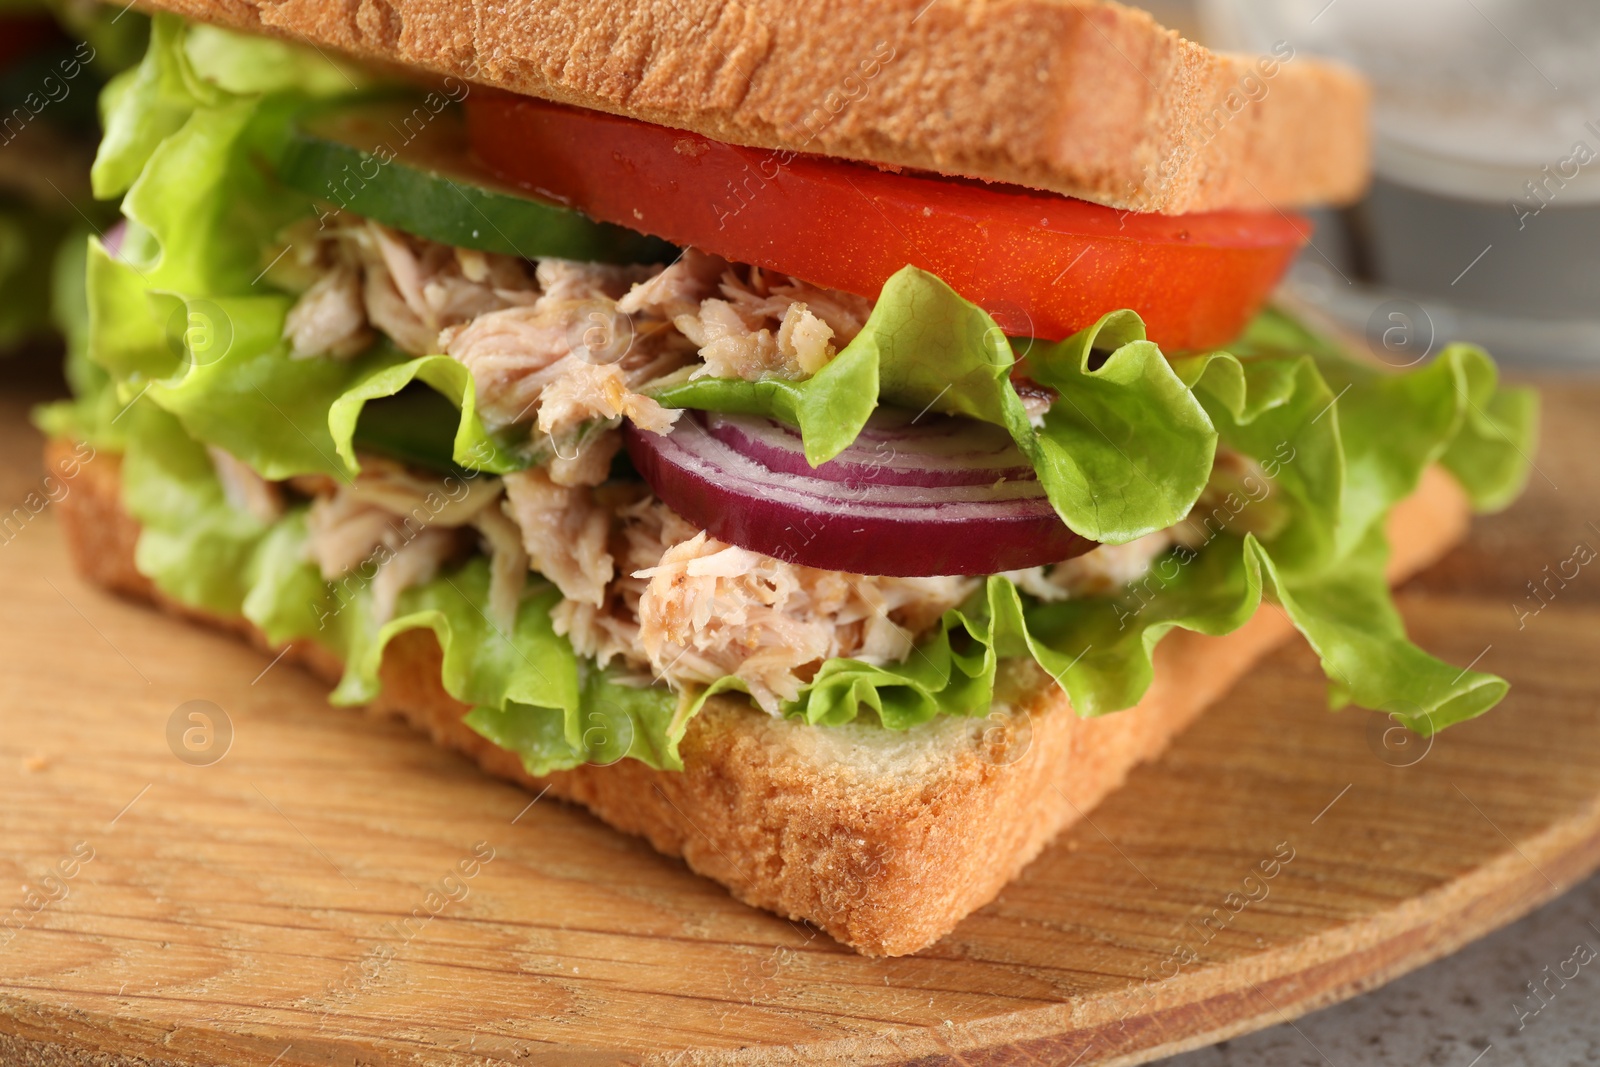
(1124, 451)
(189, 68)
(144, 105)
(94, 413)
(1482, 434)
(616, 721)
(1280, 412)
(1347, 615)
(473, 447)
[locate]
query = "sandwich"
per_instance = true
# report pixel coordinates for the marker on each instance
(836, 445)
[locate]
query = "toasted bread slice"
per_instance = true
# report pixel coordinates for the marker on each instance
(1089, 98)
(885, 840)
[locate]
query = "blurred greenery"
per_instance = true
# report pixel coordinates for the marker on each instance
(55, 56)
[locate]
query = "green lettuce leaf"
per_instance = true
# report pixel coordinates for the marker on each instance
(1491, 456)
(1347, 615)
(1126, 448)
(1281, 413)
(193, 545)
(473, 447)
(143, 105)
(93, 413)
(1100, 651)
(1483, 435)
(189, 68)
(616, 721)
(255, 402)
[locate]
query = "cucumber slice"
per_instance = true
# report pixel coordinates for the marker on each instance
(407, 165)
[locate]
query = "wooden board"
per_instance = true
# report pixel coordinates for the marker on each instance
(289, 903)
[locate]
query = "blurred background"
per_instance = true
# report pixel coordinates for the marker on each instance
(55, 56)
(1484, 221)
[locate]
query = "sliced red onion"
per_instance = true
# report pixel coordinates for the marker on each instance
(909, 498)
(891, 450)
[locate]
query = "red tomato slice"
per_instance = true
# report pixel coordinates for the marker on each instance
(1043, 265)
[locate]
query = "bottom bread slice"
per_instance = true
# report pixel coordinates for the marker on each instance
(885, 840)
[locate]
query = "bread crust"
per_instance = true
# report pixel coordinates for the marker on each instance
(884, 841)
(1082, 97)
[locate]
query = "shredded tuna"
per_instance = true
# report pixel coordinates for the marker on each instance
(344, 532)
(423, 500)
(508, 564)
(388, 310)
(412, 562)
(395, 529)
(641, 531)
(564, 533)
(568, 279)
(584, 391)
(727, 344)
(757, 328)
(417, 288)
(591, 356)
(246, 490)
(757, 296)
(330, 319)
(711, 610)
(588, 462)
(409, 288)
(803, 338)
(678, 289)
(559, 342)
(511, 353)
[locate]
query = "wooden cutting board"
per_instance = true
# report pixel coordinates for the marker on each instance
(333, 890)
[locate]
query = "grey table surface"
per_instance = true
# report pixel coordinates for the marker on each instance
(1477, 1008)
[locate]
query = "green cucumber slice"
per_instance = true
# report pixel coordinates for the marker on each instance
(405, 163)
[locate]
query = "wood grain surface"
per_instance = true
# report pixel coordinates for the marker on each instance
(333, 890)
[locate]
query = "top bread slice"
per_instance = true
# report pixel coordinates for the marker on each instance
(1082, 97)
(885, 840)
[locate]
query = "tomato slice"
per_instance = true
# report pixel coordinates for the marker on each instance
(1043, 265)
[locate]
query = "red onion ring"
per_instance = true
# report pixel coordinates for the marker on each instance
(933, 495)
